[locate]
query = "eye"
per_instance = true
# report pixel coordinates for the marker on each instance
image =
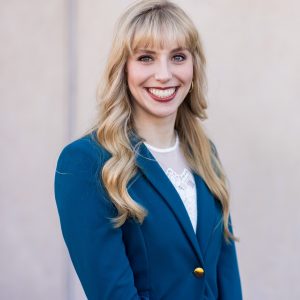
(145, 58)
(179, 57)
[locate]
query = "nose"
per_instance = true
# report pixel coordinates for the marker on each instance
(163, 72)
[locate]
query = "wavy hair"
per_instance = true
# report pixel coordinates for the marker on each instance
(154, 23)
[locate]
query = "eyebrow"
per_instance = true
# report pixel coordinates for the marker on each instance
(153, 52)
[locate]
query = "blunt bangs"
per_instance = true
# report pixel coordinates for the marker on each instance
(158, 29)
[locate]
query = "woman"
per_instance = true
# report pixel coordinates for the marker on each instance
(142, 198)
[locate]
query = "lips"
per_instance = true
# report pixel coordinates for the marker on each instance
(162, 94)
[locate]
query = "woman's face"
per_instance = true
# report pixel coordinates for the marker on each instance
(159, 80)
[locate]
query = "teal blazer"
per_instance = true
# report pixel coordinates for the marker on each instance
(161, 259)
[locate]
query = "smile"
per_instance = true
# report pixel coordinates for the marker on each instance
(162, 94)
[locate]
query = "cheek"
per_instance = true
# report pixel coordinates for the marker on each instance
(132, 76)
(135, 78)
(189, 72)
(135, 73)
(133, 83)
(185, 74)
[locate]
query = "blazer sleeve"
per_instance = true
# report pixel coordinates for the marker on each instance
(95, 246)
(229, 284)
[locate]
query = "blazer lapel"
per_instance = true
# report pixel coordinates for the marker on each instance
(207, 216)
(157, 177)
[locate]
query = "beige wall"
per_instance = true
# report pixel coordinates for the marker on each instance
(252, 48)
(32, 95)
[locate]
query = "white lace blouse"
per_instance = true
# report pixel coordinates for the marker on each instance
(174, 164)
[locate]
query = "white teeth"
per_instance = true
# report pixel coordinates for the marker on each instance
(162, 93)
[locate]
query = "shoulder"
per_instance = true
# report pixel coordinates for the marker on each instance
(82, 154)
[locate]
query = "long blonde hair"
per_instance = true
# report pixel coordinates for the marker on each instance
(153, 23)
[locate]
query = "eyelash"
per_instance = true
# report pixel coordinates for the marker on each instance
(141, 58)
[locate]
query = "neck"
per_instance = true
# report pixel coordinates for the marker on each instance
(159, 133)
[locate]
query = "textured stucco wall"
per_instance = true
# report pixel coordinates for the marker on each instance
(252, 49)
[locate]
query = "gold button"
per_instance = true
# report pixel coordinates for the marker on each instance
(199, 272)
